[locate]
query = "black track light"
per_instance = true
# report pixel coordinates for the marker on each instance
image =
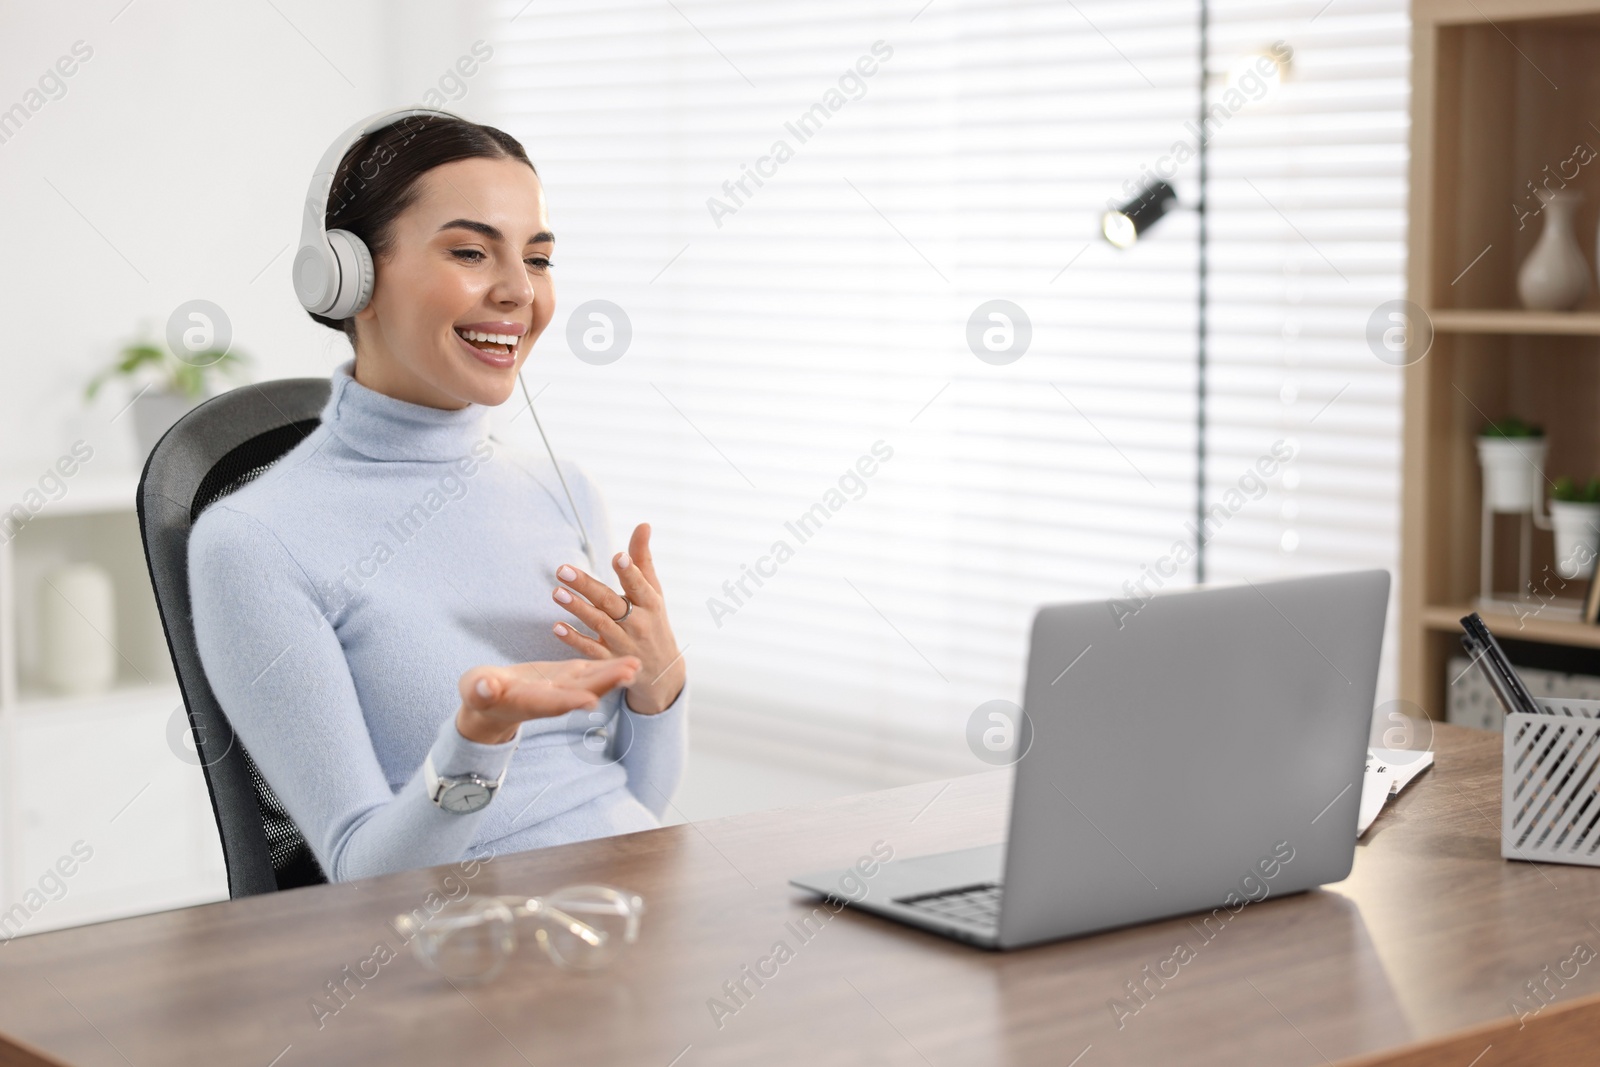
(1123, 225)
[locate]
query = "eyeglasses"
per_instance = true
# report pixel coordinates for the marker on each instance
(580, 927)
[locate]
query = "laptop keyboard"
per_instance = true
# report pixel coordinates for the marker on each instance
(975, 904)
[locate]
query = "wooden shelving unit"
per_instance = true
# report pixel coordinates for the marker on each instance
(1533, 627)
(1501, 91)
(1471, 320)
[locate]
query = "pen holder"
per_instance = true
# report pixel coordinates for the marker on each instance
(1550, 800)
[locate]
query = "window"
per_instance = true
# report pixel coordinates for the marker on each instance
(1308, 225)
(837, 302)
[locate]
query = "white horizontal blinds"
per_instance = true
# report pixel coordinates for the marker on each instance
(1307, 238)
(829, 311)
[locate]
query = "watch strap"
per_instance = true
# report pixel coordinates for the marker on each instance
(436, 783)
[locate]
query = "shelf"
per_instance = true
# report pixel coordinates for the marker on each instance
(1511, 320)
(1508, 626)
(36, 701)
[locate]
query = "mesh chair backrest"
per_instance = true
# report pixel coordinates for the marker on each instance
(292, 860)
(225, 443)
(247, 462)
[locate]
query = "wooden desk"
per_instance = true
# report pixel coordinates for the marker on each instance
(1413, 960)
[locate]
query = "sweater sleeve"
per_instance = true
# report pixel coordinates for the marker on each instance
(652, 748)
(279, 672)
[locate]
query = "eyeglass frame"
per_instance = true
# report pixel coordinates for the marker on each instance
(518, 905)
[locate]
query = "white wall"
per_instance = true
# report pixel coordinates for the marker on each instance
(172, 168)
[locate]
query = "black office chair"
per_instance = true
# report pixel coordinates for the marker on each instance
(207, 454)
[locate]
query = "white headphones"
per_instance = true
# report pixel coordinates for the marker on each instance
(333, 273)
(333, 269)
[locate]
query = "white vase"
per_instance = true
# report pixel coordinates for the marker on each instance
(77, 629)
(1513, 471)
(1555, 277)
(1577, 530)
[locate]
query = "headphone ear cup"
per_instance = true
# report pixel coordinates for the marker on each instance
(356, 275)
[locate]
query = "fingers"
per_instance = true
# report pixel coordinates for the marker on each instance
(578, 671)
(585, 645)
(486, 688)
(545, 688)
(604, 626)
(612, 673)
(639, 549)
(633, 581)
(478, 688)
(635, 572)
(598, 677)
(595, 591)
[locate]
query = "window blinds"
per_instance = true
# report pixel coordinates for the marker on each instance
(805, 216)
(1308, 217)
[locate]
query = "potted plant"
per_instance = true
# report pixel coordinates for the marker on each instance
(1511, 452)
(172, 385)
(1575, 516)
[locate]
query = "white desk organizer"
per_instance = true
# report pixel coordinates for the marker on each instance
(1550, 804)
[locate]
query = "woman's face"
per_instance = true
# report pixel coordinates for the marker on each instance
(470, 254)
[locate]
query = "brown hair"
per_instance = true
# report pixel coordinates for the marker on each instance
(377, 179)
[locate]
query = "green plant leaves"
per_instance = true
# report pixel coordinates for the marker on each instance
(178, 376)
(1511, 426)
(1566, 490)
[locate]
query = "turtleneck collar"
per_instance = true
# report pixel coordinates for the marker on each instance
(381, 427)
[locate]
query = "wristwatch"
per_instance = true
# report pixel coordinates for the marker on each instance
(459, 794)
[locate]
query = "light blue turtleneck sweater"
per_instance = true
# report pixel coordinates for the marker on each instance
(338, 598)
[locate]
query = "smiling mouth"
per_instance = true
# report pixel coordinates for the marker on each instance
(487, 342)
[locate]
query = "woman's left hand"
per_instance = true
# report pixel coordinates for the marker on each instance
(644, 633)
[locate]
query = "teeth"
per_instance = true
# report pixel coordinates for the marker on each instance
(496, 338)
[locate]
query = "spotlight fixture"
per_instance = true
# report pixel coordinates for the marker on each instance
(1123, 226)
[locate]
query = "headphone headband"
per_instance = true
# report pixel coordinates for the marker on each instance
(333, 272)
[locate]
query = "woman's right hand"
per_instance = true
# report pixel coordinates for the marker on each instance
(495, 701)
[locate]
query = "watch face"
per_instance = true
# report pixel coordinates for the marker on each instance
(464, 797)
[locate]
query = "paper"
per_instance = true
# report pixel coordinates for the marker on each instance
(1389, 770)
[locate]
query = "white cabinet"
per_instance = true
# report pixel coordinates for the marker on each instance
(103, 805)
(97, 784)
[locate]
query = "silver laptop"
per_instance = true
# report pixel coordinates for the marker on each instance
(1204, 750)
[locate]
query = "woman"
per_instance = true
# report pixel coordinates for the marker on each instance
(385, 615)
